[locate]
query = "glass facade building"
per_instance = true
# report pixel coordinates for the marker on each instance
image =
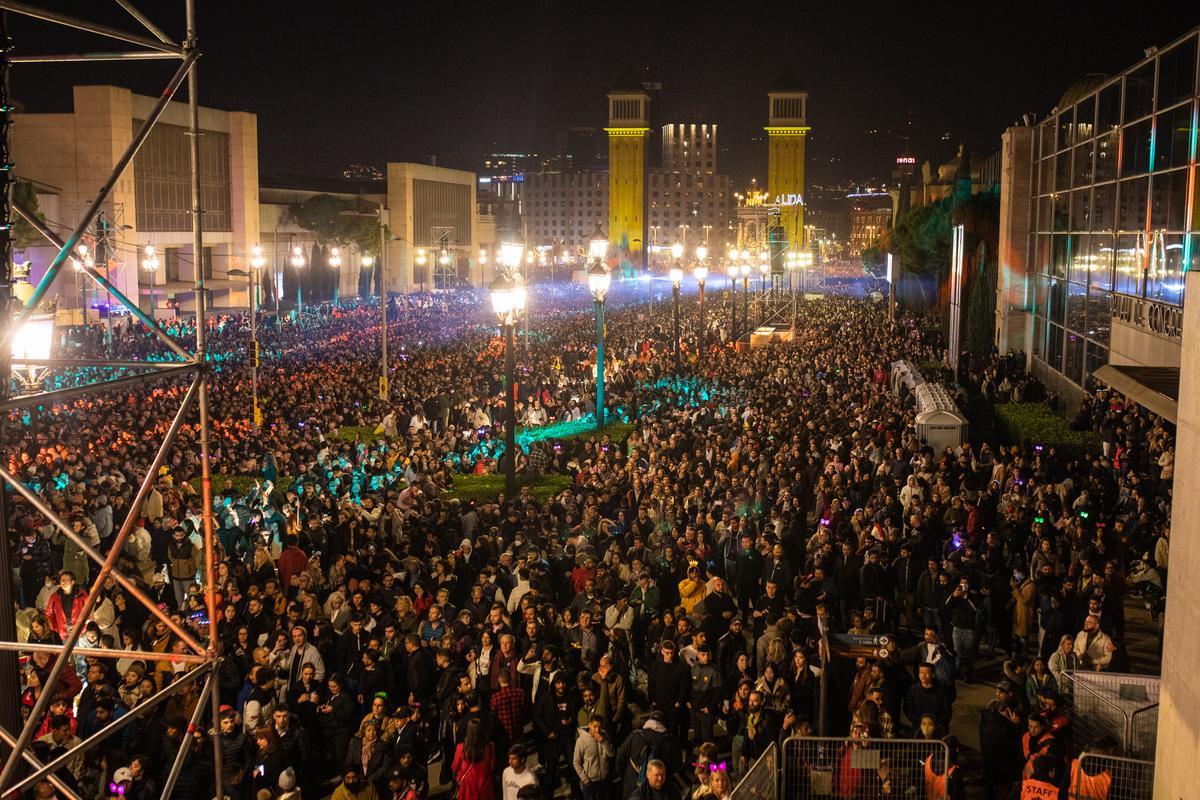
(1115, 217)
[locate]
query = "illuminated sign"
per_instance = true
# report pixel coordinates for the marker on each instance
(789, 200)
(906, 160)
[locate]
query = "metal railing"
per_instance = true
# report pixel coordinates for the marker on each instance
(826, 767)
(1119, 705)
(1101, 777)
(761, 781)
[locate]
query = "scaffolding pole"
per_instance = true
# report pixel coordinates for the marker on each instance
(204, 654)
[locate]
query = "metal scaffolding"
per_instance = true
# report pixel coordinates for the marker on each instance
(203, 654)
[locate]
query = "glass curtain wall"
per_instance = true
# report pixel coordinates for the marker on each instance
(1112, 170)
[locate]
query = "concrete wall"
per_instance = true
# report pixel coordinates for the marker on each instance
(401, 253)
(73, 154)
(1130, 344)
(1175, 773)
(244, 200)
(1013, 286)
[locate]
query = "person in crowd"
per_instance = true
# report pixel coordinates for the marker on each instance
(731, 515)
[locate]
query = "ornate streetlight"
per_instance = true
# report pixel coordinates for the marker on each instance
(150, 267)
(257, 262)
(599, 279)
(298, 264)
(700, 273)
(731, 269)
(676, 282)
(508, 301)
(745, 270)
(335, 263)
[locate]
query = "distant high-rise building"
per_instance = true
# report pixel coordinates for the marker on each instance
(689, 202)
(581, 147)
(689, 148)
(562, 209)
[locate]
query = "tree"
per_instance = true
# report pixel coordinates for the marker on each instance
(327, 217)
(23, 234)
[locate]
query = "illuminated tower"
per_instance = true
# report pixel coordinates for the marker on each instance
(787, 129)
(627, 129)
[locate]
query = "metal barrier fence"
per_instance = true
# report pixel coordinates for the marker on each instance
(827, 767)
(760, 781)
(1099, 777)
(1119, 705)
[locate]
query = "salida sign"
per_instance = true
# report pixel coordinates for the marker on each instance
(789, 200)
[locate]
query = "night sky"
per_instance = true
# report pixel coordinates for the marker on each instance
(335, 83)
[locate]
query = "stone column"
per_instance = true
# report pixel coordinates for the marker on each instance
(1179, 713)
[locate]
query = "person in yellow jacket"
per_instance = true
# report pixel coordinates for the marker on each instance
(692, 589)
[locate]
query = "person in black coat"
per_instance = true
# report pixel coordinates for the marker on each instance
(351, 644)
(667, 683)
(337, 719)
(420, 675)
(758, 728)
(747, 571)
(926, 696)
(651, 741)
(1000, 729)
(555, 719)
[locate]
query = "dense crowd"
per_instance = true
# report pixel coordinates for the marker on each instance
(647, 632)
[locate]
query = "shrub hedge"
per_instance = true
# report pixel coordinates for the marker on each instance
(1037, 423)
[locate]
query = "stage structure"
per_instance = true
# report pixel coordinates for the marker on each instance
(26, 333)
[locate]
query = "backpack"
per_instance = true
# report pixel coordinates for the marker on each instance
(644, 757)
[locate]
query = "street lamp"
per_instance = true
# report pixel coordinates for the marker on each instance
(483, 259)
(508, 302)
(335, 263)
(298, 264)
(676, 281)
(257, 262)
(421, 259)
(84, 261)
(599, 279)
(700, 272)
(745, 270)
(731, 269)
(150, 267)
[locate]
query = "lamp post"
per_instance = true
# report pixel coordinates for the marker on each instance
(257, 262)
(150, 267)
(422, 259)
(483, 258)
(84, 260)
(731, 269)
(335, 263)
(745, 270)
(508, 302)
(700, 272)
(676, 282)
(298, 264)
(599, 279)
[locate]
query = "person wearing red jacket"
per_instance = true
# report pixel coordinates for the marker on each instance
(65, 606)
(292, 561)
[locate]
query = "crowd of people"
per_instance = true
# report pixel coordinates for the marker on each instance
(649, 631)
